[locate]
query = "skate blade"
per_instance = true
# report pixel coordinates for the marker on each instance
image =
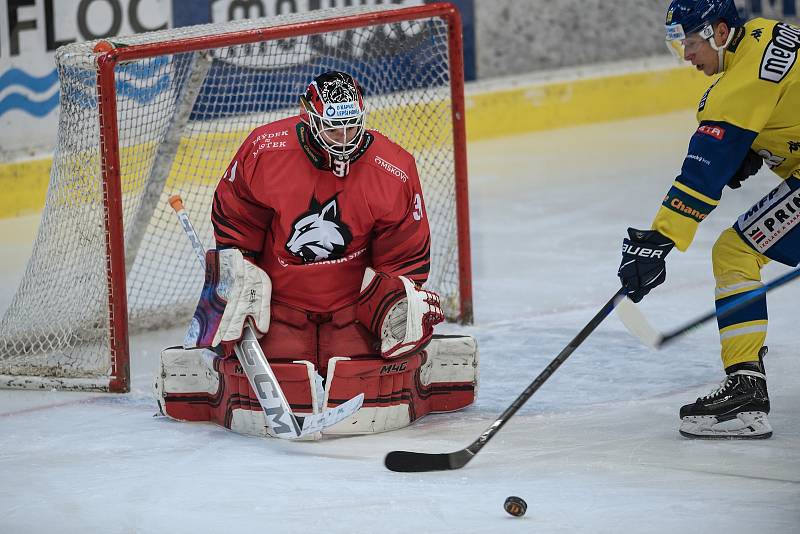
(746, 425)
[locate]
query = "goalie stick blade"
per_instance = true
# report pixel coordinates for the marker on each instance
(319, 422)
(636, 323)
(418, 462)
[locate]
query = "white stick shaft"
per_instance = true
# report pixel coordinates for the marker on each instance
(191, 233)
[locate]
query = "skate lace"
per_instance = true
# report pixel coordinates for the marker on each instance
(719, 389)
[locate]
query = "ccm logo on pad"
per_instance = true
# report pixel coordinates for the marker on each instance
(714, 131)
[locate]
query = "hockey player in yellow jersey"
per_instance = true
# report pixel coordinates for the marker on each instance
(750, 115)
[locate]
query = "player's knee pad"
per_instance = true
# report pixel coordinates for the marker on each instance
(441, 378)
(735, 263)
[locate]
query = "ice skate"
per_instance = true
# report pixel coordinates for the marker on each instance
(736, 409)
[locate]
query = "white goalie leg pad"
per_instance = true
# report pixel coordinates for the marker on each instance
(249, 423)
(182, 371)
(196, 385)
(746, 425)
(394, 398)
(451, 359)
(370, 419)
(252, 421)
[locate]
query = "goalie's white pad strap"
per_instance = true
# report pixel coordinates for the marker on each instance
(247, 290)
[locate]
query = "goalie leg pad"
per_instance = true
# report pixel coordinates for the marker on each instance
(242, 412)
(452, 368)
(183, 377)
(197, 385)
(442, 378)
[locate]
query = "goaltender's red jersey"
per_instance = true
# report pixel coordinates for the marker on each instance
(313, 232)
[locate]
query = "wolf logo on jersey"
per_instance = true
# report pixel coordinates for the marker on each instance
(319, 234)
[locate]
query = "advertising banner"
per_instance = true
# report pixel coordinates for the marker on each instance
(31, 31)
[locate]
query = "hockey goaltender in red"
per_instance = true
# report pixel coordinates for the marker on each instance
(322, 240)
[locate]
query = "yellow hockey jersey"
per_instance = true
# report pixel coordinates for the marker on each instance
(754, 104)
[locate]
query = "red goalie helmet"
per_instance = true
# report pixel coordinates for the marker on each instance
(333, 107)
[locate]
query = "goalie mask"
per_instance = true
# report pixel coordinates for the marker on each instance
(333, 108)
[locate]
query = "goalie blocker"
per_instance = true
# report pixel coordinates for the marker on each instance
(197, 385)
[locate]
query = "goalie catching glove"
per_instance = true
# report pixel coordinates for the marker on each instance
(398, 312)
(235, 289)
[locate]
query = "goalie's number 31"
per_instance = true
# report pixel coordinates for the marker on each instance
(417, 213)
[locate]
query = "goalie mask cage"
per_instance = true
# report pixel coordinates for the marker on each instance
(165, 112)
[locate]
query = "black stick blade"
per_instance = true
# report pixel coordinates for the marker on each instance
(418, 462)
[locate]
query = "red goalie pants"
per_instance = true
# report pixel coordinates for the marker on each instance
(295, 334)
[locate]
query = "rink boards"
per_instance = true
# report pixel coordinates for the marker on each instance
(495, 108)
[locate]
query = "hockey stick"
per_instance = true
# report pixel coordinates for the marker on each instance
(414, 462)
(638, 325)
(279, 416)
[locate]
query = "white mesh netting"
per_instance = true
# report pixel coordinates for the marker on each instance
(181, 118)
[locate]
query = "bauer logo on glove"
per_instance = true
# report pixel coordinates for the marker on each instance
(643, 266)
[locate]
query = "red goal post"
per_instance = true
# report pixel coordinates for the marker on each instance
(172, 108)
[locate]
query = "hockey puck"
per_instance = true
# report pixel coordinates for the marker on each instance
(515, 506)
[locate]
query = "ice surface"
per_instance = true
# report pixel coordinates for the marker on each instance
(595, 450)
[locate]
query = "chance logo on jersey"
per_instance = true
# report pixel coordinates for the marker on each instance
(319, 234)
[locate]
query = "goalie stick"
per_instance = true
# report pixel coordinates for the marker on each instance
(282, 422)
(414, 462)
(638, 325)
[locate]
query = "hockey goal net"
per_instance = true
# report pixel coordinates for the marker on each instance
(164, 113)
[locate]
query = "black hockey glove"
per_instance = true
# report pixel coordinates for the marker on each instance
(643, 266)
(751, 164)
